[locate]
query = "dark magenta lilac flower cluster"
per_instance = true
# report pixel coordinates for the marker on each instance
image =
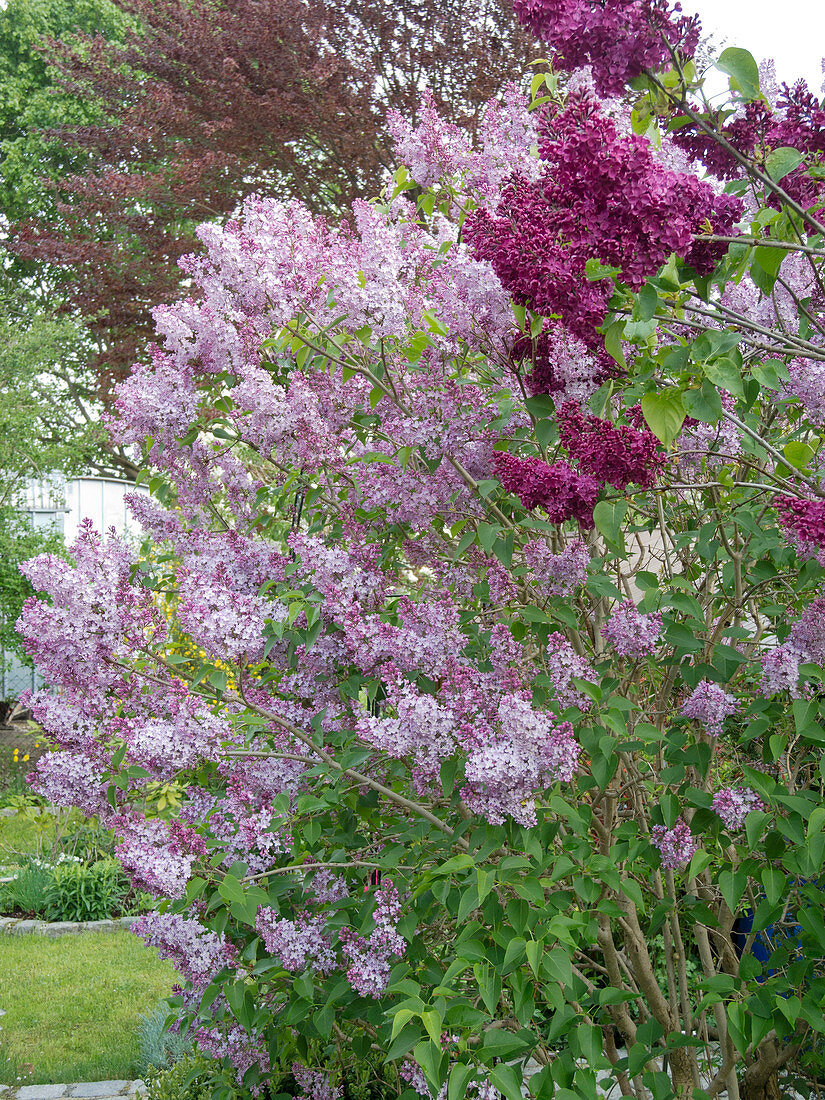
(601, 195)
(796, 120)
(614, 454)
(556, 488)
(617, 38)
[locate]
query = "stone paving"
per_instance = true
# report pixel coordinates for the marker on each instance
(81, 1090)
(14, 926)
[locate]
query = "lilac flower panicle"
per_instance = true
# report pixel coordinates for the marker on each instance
(557, 574)
(619, 39)
(733, 804)
(617, 455)
(563, 666)
(807, 385)
(562, 365)
(370, 958)
(159, 855)
(197, 952)
(528, 751)
(805, 644)
(67, 779)
(327, 887)
(676, 845)
(710, 704)
(632, 633)
(557, 488)
(808, 632)
(780, 670)
(314, 1084)
(543, 231)
(803, 520)
(412, 1073)
(300, 944)
(234, 1043)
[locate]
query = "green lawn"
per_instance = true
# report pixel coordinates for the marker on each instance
(72, 1005)
(23, 834)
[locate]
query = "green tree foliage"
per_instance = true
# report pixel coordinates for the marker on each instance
(19, 541)
(29, 108)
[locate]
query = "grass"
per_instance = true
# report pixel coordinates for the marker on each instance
(72, 1005)
(23, 834)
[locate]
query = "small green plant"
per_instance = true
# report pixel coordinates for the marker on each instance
(191, 1078)
(16, 791)
(26, 892)
(159, 1047)
(83, 892)
(138, 903)
(89, 841)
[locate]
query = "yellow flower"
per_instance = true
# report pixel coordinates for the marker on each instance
(26, 757)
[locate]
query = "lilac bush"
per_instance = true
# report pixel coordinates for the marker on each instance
(494, 524)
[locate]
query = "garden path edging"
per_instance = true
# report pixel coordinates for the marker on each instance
(17, 926)
(81, 1090)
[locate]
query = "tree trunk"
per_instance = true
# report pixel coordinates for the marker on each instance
(761, 1089)
(761, 1078)
(681, 1073)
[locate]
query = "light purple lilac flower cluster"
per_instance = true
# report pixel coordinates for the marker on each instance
(562, 364)
(314, 1084)
(159, 855)
(436, 151)
(240, 1048)
(66, 779)
(805, 644)
(807, 385)
(733, 804)
(525, 752)
(563, 666)
(557, 574)
(370, 959)
(710, 704)
(197, 952)
(300, 944)
(632, 633)
(676, 845)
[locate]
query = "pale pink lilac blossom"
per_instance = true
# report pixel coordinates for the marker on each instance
(437, 151)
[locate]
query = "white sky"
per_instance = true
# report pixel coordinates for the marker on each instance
(792, 32)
